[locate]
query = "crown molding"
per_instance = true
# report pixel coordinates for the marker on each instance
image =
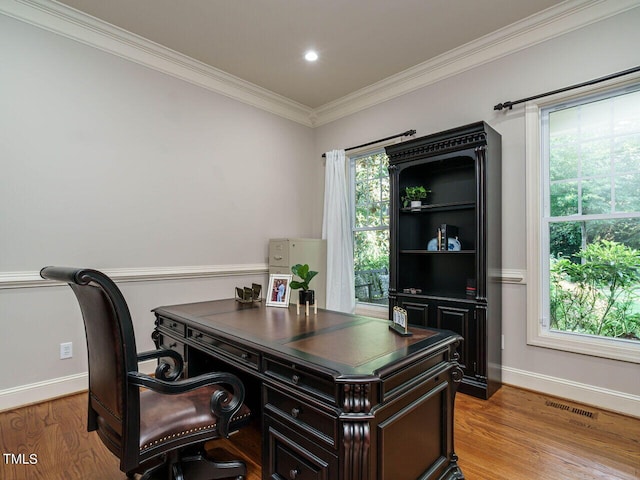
(552, 22)
(68, 22)
(29, 279)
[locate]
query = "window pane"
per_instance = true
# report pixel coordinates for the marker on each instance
(362, 167)
(627, 189)
(626, 153)
(371, 265)
(384, 189)
(374, 215)
(627, 113)
(384, 207)
(360, 217)
(564, 161)
(564, 199)
(596, 196)
(595, 119)
(565, 238)
(596, 157)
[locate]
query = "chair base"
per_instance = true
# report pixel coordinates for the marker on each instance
(197, 467)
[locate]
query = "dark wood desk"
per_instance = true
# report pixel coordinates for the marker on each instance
(341, 396)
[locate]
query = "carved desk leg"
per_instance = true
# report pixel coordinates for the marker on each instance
(356, 433)
(455, 473)
(357, 439)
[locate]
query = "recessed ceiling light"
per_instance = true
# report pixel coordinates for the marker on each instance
(311, 56)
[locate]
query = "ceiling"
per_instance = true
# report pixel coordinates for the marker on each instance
(360, 42)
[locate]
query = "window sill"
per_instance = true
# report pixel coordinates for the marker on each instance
(369, 310)
(614, 349)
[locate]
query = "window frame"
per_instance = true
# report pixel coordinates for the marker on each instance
(538, 332)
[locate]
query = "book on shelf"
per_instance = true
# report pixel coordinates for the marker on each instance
(445, 232)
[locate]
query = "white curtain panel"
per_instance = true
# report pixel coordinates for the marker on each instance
(336, 230)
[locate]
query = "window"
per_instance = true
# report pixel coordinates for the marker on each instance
(370, 201)
(584, 249)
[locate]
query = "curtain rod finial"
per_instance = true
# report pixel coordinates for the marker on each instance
(502, 106)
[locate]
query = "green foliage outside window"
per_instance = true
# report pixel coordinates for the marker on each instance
(370, 181)
(598, 295)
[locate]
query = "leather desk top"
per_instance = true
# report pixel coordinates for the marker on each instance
(347, 343)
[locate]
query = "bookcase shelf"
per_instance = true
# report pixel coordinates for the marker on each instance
(437, 252)
(443, 207)
(452, 290)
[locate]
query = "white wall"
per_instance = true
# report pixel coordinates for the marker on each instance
(111, 165)
(597, 50)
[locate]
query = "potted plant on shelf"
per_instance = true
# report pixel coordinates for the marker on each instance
(413, 197)
(305, 295)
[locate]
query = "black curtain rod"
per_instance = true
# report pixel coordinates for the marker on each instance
(510, 105)
(408, 133)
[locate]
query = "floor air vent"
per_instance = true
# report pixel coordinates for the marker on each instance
(567, 408)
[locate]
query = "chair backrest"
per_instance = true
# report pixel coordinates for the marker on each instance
(114, 407)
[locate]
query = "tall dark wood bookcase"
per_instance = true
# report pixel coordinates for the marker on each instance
(456, 289)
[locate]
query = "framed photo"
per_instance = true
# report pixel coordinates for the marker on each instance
(277, 294)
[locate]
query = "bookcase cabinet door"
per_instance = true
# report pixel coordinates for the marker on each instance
(417, 311)
(462, 320)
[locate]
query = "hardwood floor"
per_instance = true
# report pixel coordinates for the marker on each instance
(516, 435)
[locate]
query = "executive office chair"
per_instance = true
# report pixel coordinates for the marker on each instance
(155, 426)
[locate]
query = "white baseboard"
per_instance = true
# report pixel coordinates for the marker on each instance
(620, 402)
(56, 387)
(606, 399)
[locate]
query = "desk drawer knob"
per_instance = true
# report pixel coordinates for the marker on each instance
(173, 345)
(295, 411)
(293, 473)
(199, 335)
(244, 356)
(295, 379)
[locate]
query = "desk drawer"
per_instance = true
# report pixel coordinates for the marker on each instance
(279, 253)
(289, 457)
(171, 343)
(301, 415)
(279, 270)
(405, 378)
(236, 352)
(172, 325)
(301, 378)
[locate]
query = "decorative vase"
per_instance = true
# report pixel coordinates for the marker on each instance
(416, 205)
(305, 296)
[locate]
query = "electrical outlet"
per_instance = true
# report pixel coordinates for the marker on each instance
(502, 342)
(66, 350)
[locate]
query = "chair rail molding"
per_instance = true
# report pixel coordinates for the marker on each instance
(29, 279)
(512, 275)
(552, 22)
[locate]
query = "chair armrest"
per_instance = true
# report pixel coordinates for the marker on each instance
(223, 405)
(164, 371)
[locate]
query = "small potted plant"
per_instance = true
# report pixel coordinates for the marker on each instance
(413, 197)
(305, 295)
